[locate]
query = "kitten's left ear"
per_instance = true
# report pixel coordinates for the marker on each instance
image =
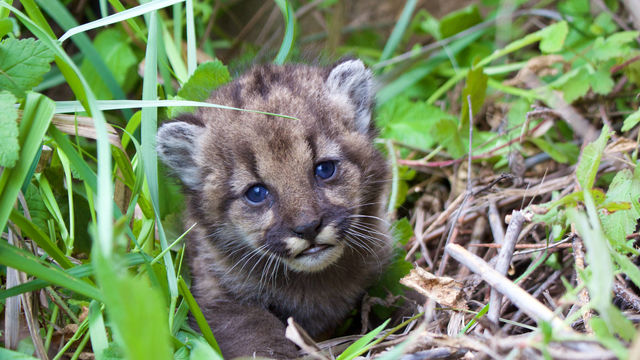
(352, 80)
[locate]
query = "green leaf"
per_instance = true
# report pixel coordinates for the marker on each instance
(446, 131)
(362, 344)
(556, 154)
(409, 122)
(616, 45)
(113, 47)
(6, 354)
(476, 87)
(576, 86)
(459, 20)
(200, 350)
(402, 231)
(207, 77)
(6, 26)
(590, 160)
(22, 64)
(9, 147)
(601, 81)
(553, 37)
(631, 121)
(625, 187)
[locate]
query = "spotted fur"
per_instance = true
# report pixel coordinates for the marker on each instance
(310, 249)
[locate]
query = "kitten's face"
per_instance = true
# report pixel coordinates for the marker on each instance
(293, 190)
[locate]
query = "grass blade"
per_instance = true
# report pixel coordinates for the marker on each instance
(198, 315)
(24, 261)
(35, 121)
(118, 17)
(398, 30)
(289, 32)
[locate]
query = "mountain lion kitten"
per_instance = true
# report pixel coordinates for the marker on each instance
(288, 212)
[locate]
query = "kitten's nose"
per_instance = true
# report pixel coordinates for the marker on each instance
(308, 230)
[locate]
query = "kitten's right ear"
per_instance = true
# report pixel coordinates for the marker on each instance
(176, 143)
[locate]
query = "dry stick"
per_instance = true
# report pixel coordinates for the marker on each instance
(497, 230)
(522, 299)
(544, 286)
(504, 259)
(627, 295)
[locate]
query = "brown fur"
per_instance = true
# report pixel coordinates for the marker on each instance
(247, 294)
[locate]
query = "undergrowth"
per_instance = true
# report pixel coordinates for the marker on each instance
(92, 241)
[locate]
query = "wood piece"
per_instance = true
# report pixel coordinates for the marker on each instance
(523, 300)
(504, 260)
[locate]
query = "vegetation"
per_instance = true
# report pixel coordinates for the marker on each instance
(495, 107)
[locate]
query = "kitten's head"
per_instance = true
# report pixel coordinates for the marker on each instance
(304, 190)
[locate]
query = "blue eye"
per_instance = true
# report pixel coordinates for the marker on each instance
(325, 169)
(256, 194)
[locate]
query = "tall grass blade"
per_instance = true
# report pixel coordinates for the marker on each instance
(121, 16)
(149, 129)
(35, 121)
(289, 32)
(192, 62)
(398, 30)
(24, 261)
(62, 16)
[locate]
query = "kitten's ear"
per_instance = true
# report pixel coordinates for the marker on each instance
(352, 80)
(176, 144)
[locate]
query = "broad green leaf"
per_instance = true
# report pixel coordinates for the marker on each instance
(410, 123)
(628, 267)
(6, 26)
(553, 37)
(590, 160)
(9, 147)
(446, 131)
(207, 77)
(113, 47)
(476, 87)
(6, 354)
(576, 86)
(616, 45)
(601, 81)
(402, 231)
(22, 64)
(631, 121)
(625, 187)
(362, 344)
(459, 20)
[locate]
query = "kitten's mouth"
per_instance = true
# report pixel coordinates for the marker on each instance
(314, 249)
